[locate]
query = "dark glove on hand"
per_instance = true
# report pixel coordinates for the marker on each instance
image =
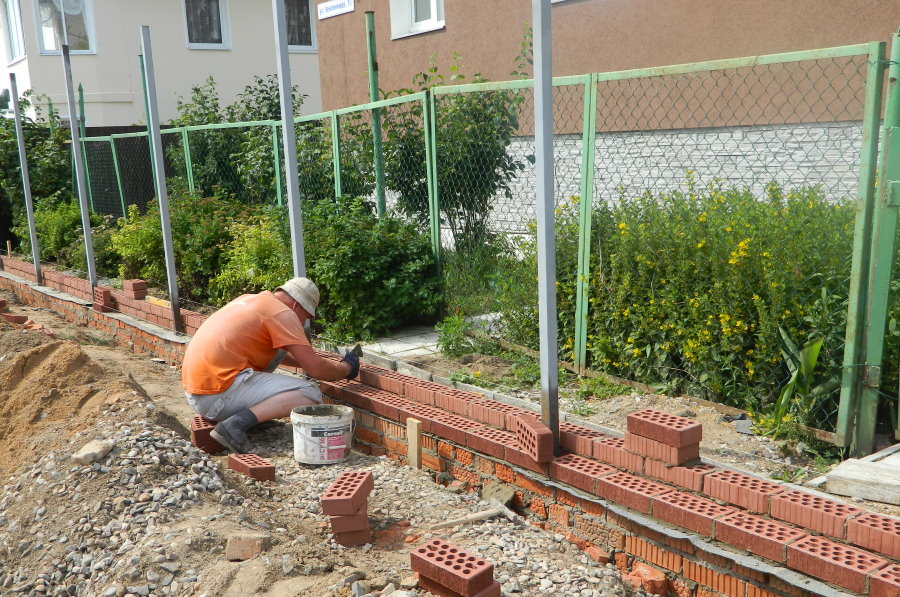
(354, 364)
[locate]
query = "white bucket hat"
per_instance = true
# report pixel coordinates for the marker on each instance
(304, 292)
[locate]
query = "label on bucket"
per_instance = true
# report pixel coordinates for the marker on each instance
(331, 441)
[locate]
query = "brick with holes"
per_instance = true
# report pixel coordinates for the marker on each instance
(351, 523)
(135, 289)
(455, 401)
(492, 412)
(577, 439)
(812, 512)
(885, 582)
(876, 532)
(629, 490)
(833, 562)
(689, 476)
(534, 436)
(612, 451)
(453, 427)
(347, 493)
(452, 567)
(689, 511)
(579, 471)
(665, 428)
(252, 465)
(757, 535)
(516, 455)
(493, 590)
(750, 493)
(421, 391)
(660, 451)
(490, 441)
(200, 434)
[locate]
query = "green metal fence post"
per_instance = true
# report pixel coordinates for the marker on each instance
(585, 215)
(188, 164)
(276, 161)
(87, 174)
(115, 159)
(882, 257)
(851, 386)
(336, 153)
(376, 112)
(434, 212)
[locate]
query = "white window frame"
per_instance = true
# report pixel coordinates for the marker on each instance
(314, 48)
(88, 23)
(13, 22)
(403, 23)
(225, 22)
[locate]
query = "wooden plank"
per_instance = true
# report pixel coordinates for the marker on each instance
(414, 441)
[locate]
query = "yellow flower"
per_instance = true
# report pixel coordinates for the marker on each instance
(477, 374)
(755, 297)
(727, 228)
(635, 351)
(700, 244)
(623, 226)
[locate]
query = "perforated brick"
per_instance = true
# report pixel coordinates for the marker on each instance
(387, 405)
(812, 512)
(352, 523)
(579, 471)
(750, 493)
(885, 582)
(490, 441)
(577, 439)
(359, 394)
(758, 535)
(354, 538)
(381, 378)
(629, 490)
(660, 451)
(689, 511)
(876, 532)
(689, 476)
(452, 567)
(833, 562)
(493, 413)
(535, 437)
(453, 427)
(493, 590)
(421, 391)
(612, 451)
(516, 455)
(455, 401)
(665, 428)
(200, 434)
(425, 414)
(347, 493)
(252, 465)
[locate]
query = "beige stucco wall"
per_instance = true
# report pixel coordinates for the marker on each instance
(111, 77)
(593, 36)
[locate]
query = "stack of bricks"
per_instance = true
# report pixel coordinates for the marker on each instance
(663, 438)
(447, 571)
(346, 502)
(201, 427)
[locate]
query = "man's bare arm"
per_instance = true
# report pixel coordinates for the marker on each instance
(316, 366)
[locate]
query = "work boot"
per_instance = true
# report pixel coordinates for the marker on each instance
(232, 432)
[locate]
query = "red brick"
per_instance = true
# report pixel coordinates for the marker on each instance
(395, 445)
(833, 562)
(612, 451)
(876, 532)
(246, 546)
(134, 284)
(356, 394)
(538, 506)
(470, 477)
(493, 590)
(621, 560)
(516, 455)
(425, 414)
(504, 473)
(812, 512)
(567, 499)
(750, 493)
(453, 428)
(577, 439)
(651, 580)
(644, 550)
(200, 434)
(535, 437)
(354, 538)
(578, 471)
(629, 490)
(757, 535)
(725, 584)
(689, 511)
(252, 465)
(421, 390)
(533, 486)
(347, 493)
(592, 508)
(754, 591)
(597, 554)
(103, 295)
(9, 317)
(490, 441)
(446, 450)
(660, 451)
(455, 401)
(492, 412)
(433, 462)
(689, 476)
(559, 514)
(484, 466)
(367, 435)
(665, 428)
(885, 582)
(352, 523)
(452, 567)
(465, 457)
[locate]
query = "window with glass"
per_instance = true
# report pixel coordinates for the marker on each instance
(64, 22)
(411, 17)
(13, 25)
(300, 26)
(207, 24)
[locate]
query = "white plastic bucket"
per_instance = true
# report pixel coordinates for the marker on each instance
(322, 433)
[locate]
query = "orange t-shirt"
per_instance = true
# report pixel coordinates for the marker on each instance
(245, 333)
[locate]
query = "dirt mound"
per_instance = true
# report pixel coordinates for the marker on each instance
(47, 388)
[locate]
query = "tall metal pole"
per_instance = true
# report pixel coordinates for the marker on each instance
(79, 169)
(26, 181)
(376, 112)
(546, 224)
(289, 138)
(162, 193)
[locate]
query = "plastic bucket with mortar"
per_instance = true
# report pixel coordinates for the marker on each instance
(322, 433)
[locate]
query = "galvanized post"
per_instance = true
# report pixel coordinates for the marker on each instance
(546, 224)
(160, 176)
(81, 121)
(336, 153)
(882, 254)
(376, 112)
(276, 162)
(78, 159)
(434, 213)
(188, 164)
(585, 216)
(851, 386)
(115, 159)
(147, 111)
(26, 181)
(289, 137)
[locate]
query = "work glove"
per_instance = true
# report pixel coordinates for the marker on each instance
(354, 364)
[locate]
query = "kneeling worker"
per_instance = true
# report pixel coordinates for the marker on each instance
(227, 369)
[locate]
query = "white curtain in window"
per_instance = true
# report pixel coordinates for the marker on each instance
(64, 22)
(298, 22)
